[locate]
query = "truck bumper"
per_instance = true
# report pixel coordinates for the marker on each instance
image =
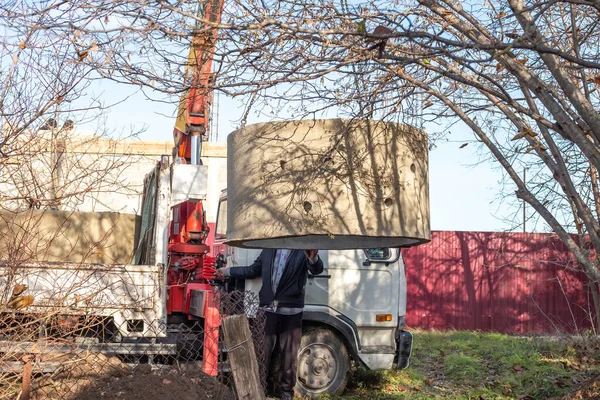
(403, 349)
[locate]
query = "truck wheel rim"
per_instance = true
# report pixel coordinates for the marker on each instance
(317, 367)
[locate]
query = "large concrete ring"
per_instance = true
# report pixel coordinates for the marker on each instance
(327, 184)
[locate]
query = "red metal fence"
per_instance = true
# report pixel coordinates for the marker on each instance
(506, 282)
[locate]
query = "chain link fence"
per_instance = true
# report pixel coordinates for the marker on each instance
(59, 354)
(239, 302)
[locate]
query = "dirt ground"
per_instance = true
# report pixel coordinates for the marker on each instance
(587, 390)
(99, 378)
(158, 385)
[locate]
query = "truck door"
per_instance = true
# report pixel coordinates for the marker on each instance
(363, 288)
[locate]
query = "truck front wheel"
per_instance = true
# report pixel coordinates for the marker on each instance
(323, 364)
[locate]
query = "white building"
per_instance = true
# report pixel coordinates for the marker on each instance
(79, 172)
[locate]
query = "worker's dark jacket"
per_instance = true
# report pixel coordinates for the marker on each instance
(290, 291)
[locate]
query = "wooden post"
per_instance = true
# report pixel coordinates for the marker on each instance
(242, 357)
(26, 383)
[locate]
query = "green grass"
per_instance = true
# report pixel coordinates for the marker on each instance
(475, 365)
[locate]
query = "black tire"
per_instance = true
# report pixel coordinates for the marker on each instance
(323, 364)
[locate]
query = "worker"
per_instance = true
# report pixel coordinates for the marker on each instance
(284, 273)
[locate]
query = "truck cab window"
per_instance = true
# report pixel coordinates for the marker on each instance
(378, 253)
(221, 227)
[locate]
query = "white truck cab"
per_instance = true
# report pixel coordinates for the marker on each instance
(354, 311)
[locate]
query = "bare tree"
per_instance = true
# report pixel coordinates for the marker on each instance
(45, 165)
(46, 92)
(522, 75)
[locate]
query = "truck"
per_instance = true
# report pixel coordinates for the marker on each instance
(355, 311)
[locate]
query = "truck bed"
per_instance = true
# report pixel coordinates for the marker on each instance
(123, 292)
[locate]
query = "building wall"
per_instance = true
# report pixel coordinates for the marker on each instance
(96, 174)
(506, 282)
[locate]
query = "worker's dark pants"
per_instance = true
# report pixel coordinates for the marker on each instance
(288, 328)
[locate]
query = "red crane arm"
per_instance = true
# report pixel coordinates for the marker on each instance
(194, 107)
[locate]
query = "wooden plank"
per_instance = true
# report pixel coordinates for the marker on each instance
(18, 367)
(242, 357)
(104, 348)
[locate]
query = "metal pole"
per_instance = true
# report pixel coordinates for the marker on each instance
(524, 203)
(195, 143)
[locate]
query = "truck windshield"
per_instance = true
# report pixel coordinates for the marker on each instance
(221, 227)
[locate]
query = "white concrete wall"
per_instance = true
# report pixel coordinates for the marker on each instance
(99, 175)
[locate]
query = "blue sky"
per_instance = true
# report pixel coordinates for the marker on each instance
(465, 193)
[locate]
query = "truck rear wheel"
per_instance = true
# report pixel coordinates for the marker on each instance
(323, 364)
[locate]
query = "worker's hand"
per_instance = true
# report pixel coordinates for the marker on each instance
(311, 255)
(222, 273)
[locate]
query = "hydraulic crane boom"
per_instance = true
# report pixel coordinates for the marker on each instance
(191, 296)
(191, 126)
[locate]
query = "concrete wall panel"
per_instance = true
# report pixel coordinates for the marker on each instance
(61, 236)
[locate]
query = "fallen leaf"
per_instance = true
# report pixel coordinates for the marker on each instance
(18, 289)
(382, 31)
(20, 302)
(82, 55)
(166, 381)
(406, 388)
(519, 135)
(517, 367)
(563, 383)
(530, 132)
